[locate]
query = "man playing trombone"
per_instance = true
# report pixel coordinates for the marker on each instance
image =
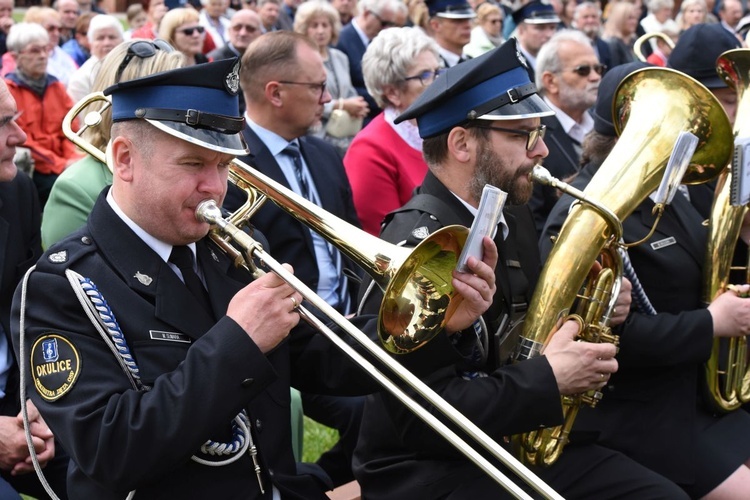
(161, 368)
(481, 125)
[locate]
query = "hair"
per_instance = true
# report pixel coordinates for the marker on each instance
(587, 5)
(390, 55)
(173, 20)
(100, 22)
(684, 6)
(435, 149)
(655, 5)
(139, 132)
(23, 34)
(378, 6)
(596, 147)
(419, 14)
(311, 9)
(261, 3)
(137, 68)
(272, 56)
(40, 14)
(134, 11)
(618, 14)
(485, 10)
(83, 22)
(549, 58)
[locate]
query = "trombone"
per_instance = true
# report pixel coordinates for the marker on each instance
(229, 236)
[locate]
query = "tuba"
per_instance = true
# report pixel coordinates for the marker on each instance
(631, 172)
(727, 371)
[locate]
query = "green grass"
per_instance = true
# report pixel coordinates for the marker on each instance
(317, 439)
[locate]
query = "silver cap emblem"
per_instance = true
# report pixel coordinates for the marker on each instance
(58, 257)
(143, 278)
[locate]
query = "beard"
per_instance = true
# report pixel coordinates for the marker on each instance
(579, 99)
(493, 170)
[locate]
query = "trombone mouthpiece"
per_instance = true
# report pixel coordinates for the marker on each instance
(208, 211)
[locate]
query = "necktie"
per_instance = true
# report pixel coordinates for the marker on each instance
(292, 150)
(182, 257)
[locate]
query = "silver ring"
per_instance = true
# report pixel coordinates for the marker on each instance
(294, 306)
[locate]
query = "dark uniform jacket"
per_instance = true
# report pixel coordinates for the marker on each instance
(650, 405)
(398, 456)
(20, 248)
(200, 373)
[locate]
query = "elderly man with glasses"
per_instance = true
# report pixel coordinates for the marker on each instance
(568, 76)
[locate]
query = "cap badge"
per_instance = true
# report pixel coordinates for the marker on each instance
(232, 81)
(421, 232)
(58, 257)
(143, 278)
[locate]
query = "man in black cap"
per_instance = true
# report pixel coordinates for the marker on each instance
(129, 365)
(450, 22)
(536, 22)
(481, 125)
(652, 410)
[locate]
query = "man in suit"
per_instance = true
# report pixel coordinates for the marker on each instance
(587, 18)
(283, 101)
(568, 76)
(480, 124)
(451, 23)
(535, 22)
(20, 247)
(374, 15)
(194, 401)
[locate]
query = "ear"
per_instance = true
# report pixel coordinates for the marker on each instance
(272, 92)
(434, 24)
(393, 94)
(123, 161)
(461, 144)
(549, 80)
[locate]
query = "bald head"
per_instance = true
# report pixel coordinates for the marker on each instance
(244, 28)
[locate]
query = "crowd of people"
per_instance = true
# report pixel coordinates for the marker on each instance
(154, 364)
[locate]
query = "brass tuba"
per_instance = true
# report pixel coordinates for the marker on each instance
(633, 169)
(727, 371)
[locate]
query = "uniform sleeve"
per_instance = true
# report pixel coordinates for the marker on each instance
(117, 435)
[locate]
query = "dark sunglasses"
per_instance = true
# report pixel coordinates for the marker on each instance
(585, 69)
(142, 49)
(190, 31)
(532, 136)
(385, 24)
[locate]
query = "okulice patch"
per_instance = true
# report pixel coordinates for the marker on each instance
(55, 365)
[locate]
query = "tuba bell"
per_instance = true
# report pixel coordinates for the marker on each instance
(727, 371)
(630, 173)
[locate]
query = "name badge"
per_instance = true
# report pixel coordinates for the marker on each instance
(658, 245)
(169, 336)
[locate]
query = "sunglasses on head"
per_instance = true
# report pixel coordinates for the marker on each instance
(190, 31)
(585, 69)
(142, 49)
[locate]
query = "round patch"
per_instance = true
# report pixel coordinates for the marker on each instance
(55, 365)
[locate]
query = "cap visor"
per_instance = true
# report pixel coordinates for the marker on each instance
(542, 20)
(232, 144)
(531, 107)
(459, 14)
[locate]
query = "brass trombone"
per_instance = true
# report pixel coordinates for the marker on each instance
(637, 46)
(414, 274)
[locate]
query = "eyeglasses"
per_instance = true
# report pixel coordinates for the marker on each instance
(426, 77)
(53, 28)
(190, 31)
(383, 23)
(314, 86)
(248, 27)
(5, 120)
(142, 49)
(585, 69)
(532, 136)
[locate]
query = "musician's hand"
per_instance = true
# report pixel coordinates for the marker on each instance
(476, 289)
(731, 313)
(265, 310)
(42, 437)
(622, 306)
(579, 366)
